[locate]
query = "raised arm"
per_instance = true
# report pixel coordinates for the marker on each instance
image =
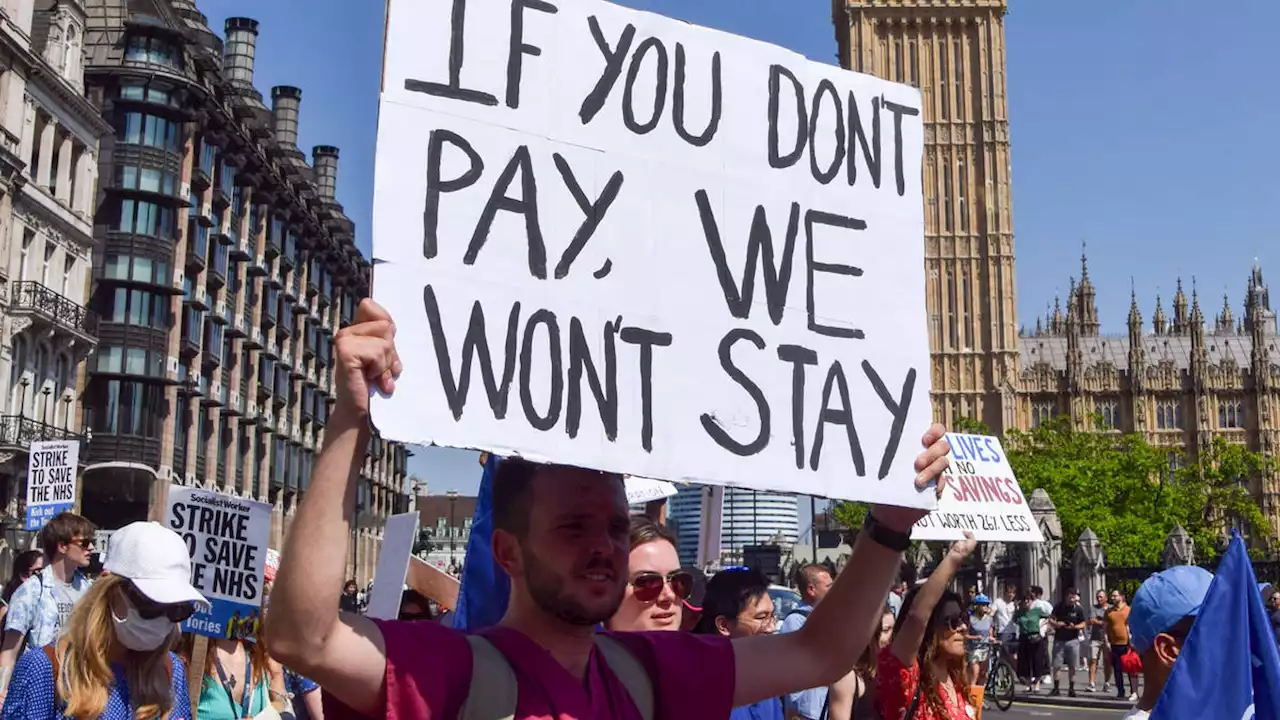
(838, 629)
(906, 642)
(345, 654)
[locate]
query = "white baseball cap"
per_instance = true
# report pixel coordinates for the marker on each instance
(156, 561)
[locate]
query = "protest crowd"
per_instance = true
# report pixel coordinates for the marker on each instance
(601, 620)
(570, 605)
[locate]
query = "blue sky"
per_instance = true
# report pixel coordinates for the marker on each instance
(1144, 128)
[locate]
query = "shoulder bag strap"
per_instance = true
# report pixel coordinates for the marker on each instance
(630, 671)
(494, 690)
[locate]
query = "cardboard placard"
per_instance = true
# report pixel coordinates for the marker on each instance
(982, 496)
(393, 564)
(227, 538)
(51, 480)
(619, 241)
(433, 583)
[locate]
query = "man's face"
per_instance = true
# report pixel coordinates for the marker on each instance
(1273, 602)
(820, 586)
(1100, 599)
(1073, 598)
(77, 551)
(573, 560)
(1116, 598)
(1010, 594)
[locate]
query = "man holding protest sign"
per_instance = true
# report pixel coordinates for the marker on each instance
(561, 534)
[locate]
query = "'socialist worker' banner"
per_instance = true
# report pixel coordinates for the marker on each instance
(982, 497)
(624, 242)
(227, 538)
(51, 480)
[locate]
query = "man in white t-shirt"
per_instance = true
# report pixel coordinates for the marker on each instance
(1160, 618)
(1004, 607)
(1038, 601)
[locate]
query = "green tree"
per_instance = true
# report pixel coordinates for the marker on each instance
(1129, 492)
(1132, 494)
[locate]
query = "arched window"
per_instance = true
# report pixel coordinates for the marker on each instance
(42, 365)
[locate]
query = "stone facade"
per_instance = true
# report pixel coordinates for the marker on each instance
(223, 267)
(49, 140)
(1179, 382)
(954, 52)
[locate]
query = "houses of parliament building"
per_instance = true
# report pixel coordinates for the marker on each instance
(1180, 379)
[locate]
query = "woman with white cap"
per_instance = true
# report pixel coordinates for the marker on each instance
(114, 660)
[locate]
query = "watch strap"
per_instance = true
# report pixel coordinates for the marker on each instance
(885, 536)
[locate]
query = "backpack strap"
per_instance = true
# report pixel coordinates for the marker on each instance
(494, 689)
(631, 673)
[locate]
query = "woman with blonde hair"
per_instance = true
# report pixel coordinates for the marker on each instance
(114, 660)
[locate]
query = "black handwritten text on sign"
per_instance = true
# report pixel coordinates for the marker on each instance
(623, 242)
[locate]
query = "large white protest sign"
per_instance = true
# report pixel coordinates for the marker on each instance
(51, 480)
(227, 538)
(623, 242)
(982, 497)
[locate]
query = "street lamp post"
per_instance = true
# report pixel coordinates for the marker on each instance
(44, 413)
(66, 414)
(453, 534)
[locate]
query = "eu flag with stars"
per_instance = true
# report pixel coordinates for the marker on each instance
(1229, 666)
(482, 599)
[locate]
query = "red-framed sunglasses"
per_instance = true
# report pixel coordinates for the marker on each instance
(647, 586)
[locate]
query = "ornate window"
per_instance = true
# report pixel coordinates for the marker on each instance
(1110, 411)
(1230, 414)
(151, 50)
(1042, 412)
(1169, 415)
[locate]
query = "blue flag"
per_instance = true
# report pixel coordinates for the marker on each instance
(1229, 667)
(482, 599)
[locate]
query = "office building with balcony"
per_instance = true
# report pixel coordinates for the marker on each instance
(49, 135)
(223, 267)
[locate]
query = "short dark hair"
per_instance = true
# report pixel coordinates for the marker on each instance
(728, 593)
(644, 531)
(513, 495)
(61, 530)
(808, 575)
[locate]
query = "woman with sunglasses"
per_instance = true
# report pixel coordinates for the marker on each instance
(854, 696)
(114, 660)
(922, 674)
(737, 604)
(655, 596)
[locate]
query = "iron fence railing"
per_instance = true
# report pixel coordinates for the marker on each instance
(35, 297)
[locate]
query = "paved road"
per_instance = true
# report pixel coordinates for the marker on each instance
(1023, 711)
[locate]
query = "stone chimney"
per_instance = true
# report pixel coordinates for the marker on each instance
(239, 50)
(285, 100)
(324, 159)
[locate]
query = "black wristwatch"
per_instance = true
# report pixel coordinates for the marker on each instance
(884, 535)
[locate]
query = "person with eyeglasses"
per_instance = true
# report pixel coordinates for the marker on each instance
(115, 661)
(40, 609)
(922, 674)
(737, 605)
(562, 535)
(654, 599)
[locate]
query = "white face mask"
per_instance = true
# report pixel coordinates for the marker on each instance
(138, 633)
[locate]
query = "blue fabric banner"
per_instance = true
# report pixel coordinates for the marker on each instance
(1229, 667)
(482, 599)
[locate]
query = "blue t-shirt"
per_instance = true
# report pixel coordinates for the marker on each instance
(767, 709)
(297, 687)
(31, 695)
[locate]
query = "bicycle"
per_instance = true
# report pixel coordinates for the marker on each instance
(1001, 678)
